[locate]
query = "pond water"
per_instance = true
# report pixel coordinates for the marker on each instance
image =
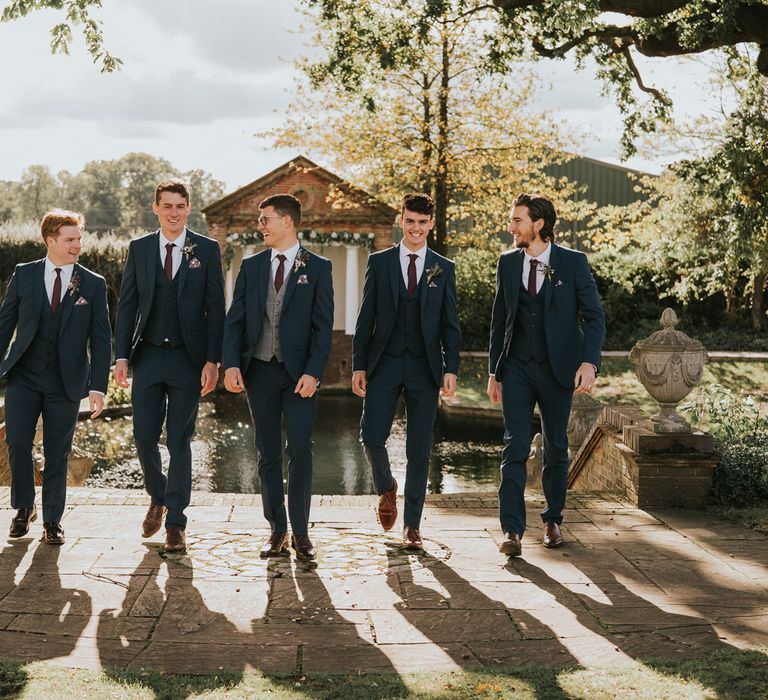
(464, 457)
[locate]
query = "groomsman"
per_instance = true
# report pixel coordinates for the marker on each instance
(169, 329)
(406, 342)
(547, 328)
(60, 355)
(277, 339)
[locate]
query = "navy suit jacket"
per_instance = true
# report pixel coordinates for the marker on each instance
(378, 312)
(306, 318)
(201, 297)
(574, 323)
(85, 340)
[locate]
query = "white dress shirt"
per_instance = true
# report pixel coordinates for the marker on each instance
(178, 245)
(543, 259)
(405, 261)
(50, 278)
(290, 257)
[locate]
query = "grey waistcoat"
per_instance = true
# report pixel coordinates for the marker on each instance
(268, 344)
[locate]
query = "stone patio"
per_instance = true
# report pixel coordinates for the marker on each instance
(629, 584)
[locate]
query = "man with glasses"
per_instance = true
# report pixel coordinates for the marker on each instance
(277, 339)
(169, 328)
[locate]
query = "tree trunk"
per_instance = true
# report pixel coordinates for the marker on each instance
(758, 301)
(440, 231)
(426, 136)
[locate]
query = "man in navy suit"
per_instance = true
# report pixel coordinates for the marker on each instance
(60, 355)
(277, 340)
(547, 328)
(406, 342)
(169, 328)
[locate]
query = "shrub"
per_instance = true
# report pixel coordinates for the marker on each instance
(475, 287)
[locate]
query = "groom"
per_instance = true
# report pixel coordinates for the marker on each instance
(277, 339)
(169, 328)
(61, 353)
(406, 342)
(547, 328)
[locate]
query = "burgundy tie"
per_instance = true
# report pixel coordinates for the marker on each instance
(169, 261)
(532, 278)
(56, 296)
(280, 272)
(412, 273)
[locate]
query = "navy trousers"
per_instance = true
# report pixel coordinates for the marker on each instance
(410, 376)
(272, 400)
(524, 384)
(165, 384)
(27, 396)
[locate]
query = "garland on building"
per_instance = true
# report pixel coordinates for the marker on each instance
(334, 238)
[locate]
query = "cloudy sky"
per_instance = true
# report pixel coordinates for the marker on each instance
(196, 84)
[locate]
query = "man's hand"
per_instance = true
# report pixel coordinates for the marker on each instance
(233, 380)
(120, 373)
(494, 390)
(449, 384)
(96, 403)
(208, 378)
(584, 379)
(359, 382)
(307, 386)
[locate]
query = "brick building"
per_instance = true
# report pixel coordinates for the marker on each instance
(339, 221)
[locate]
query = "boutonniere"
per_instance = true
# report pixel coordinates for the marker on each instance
(547, 271)
(301, 260)
(74, 284)
(189, 249)
(432, 272)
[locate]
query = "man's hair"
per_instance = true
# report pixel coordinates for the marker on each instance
(419, 202)
(171, 184)
(540, 208)
(56, 218)
(284, 205)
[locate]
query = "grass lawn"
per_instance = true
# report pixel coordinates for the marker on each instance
(733, 674)
(617, 383)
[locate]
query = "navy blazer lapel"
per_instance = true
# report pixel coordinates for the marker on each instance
(394, 274)
(70, 296)
(549, 278)
(517, 276)
(264, 274)
(153, 243)
(291, 276)
(429, 260)
(38, 291)
(184, 267)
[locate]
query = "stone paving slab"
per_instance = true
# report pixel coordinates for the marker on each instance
(630, 584)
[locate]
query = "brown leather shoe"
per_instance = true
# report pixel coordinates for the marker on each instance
(553, 538)
(511, 546)
(152, 521)
(412, 539)
(387, 508)
(175, 540)
(305, 550)
(22, 519)
(275, 546)
(53, 533)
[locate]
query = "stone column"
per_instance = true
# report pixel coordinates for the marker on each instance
(351, 290)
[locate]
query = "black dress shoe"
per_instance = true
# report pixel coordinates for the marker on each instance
(305, 550)
(511, 545)
(275, 546)
(22, 519)
(53, 533)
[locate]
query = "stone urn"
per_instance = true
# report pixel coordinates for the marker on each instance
(669, 364)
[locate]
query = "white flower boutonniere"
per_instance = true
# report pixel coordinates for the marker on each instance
(74, 284)
(302, 257)
(189, 250)
(547, 271)
(432, 272)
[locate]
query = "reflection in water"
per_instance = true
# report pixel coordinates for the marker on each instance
(464, 458)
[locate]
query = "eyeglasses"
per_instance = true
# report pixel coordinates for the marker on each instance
(263, 219)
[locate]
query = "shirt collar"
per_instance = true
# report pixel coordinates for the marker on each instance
(50, 267)
(290, 254)
(542, 257)
(405, 252)
(179, 242)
